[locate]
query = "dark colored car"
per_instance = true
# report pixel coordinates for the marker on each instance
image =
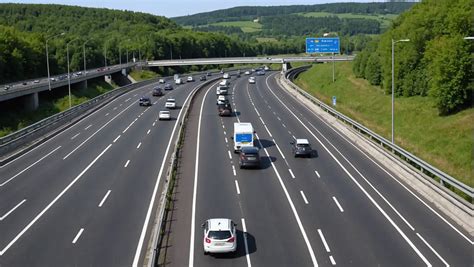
(302, 148)
(249, 157)
(203, 78)
(208, 74)
(157, 92)
(224, 110)
(144, 101)
(168, 86)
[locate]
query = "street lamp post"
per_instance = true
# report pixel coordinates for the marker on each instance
(393, 80)
(469, 38)
(47, 57)
(68, 72)
(84, 50)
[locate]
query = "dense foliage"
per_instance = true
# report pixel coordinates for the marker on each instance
(250, 13)
(295, 25)
(24, 30)
(436, 61)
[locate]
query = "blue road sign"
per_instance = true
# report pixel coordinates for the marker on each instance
(322, 45)
(333, 100)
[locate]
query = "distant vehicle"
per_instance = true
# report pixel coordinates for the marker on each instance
(247, 72)
(266, 68)
(219, 236)
(224, 83)
(302, 148)
(178, 81)
(170, 103)
(190, 79)
(249, 157)
(168, 87)
(6, 88)
(36, 81)
(226, 76)
(24, 83)
(222, 100)
(224, 110)
(222, 71)
(252, 80)
(164, 115)
(261, 72)
(203, 78)
(243, 135)
(208, 74)
(144, 101)
(221, 90)
(53, 79)
(161, 81)
(79, 73)
(157, 91)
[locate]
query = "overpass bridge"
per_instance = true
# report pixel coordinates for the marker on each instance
(29, 89)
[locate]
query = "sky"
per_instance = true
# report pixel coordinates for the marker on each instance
(173, 8)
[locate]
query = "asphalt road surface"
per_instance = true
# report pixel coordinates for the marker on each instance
(339, 207)
(83, 198)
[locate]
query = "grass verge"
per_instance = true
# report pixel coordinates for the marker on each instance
(443, 141)
(141, 75)
(15, 117)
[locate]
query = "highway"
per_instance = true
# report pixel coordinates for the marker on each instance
(340, 207)
(83, 197)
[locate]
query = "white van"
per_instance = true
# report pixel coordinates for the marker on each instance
(243, 135)
(178, 81)
(224, 83)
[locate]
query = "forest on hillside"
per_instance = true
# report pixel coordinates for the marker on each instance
(437, 61)
(252, 12)
(25, 28)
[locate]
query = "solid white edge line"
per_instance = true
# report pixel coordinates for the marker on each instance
(104, 198)
(77, 236)
(304, 197)
(269, 133)
(409, 242)
(237, 187)
(92, 135)
(291, 173)
(432, 249)
(338, 205)
(12, 210)
(247, 254)
(293, 209)
(126, 164)
(53, 202)
(196, 170)
(152, 199)
(27, 168)
(323, 240)
(333, 262)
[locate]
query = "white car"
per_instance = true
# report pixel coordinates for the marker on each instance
(219, 236)
(221, 90)
(164, 115)
(224, 83)
(190, 79)
(226, 76)
(161, 81)
(170, 103)
(247, 72)
(178, 81)
(221, 100)
(252, 80)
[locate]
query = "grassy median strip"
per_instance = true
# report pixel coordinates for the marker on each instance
(444, 141)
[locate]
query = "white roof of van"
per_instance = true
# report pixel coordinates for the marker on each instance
(302, 141)
(243, 126)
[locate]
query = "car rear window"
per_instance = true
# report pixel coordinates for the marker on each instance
(303, 145)
(220, 235)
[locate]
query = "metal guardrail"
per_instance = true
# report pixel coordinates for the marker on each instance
(18, 138)
(157, 233)
(422, 166)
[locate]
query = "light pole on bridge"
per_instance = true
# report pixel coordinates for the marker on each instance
(47, 57)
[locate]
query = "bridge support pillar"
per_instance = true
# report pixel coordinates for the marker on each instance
(108, 79)
(31, 101)
(80, 85)
(284, 67)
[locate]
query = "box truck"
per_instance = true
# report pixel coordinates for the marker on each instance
(243, 135)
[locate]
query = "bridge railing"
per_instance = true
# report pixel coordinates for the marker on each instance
(427, 170)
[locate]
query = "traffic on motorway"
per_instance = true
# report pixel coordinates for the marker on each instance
(262, 180)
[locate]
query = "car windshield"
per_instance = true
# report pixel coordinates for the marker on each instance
(220, 235)
(303, 145)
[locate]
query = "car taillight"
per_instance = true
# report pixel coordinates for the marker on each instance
(207, 240)
(231, 240)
